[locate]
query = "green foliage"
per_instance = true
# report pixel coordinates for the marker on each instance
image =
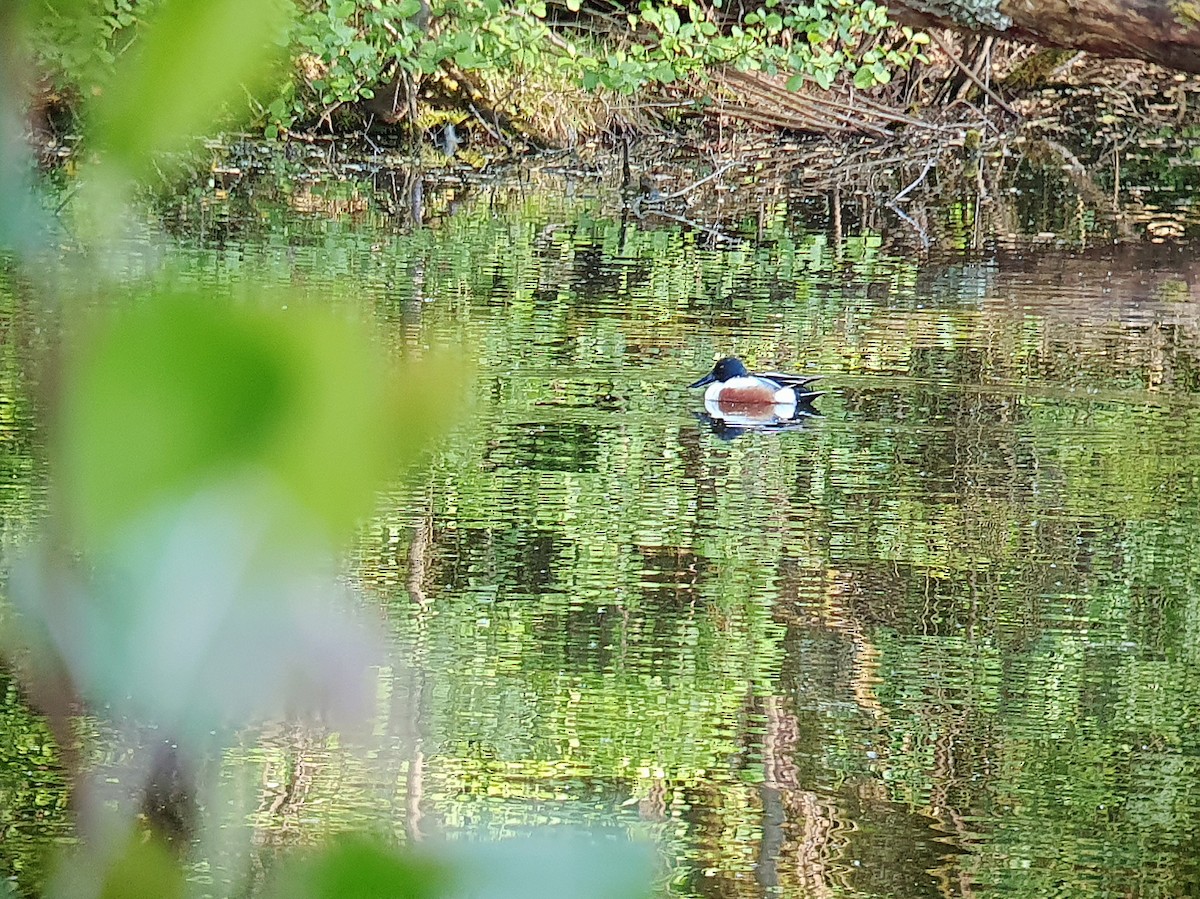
(155, 101)
(345, 50)
(183, 390)
(359, 869)
(818, 41)
(355, 45)
(142, 870)
(78, 42)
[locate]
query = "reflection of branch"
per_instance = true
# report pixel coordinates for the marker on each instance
(1074, 165)
(713, 232)
(652, 206)
(780, 778)
(921, 177)
(909, 219)
(892, 205)
(417, 561)
(691, 187)
(1083, 181)
(414, 793)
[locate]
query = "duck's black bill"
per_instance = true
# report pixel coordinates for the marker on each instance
(707, 379)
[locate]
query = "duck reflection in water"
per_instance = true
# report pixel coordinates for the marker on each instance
(738, 400)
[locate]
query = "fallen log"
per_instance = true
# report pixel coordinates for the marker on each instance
(1161, 31)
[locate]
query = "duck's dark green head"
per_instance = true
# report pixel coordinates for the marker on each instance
(729, 367)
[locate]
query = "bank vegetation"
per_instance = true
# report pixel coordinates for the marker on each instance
(701, 104)
(538, 74)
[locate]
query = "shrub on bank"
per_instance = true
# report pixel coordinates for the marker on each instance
(348, 60)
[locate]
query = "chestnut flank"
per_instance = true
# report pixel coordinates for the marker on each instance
(747, 396)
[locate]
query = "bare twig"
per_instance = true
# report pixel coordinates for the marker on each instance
(830, 117)
(327, 115)
(494, 132)
(375, 148)
(966, 70)
(849, 108)
(390, 29)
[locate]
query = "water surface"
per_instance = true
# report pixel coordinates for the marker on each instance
(941, 641)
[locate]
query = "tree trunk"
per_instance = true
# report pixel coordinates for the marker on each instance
(1162, 31)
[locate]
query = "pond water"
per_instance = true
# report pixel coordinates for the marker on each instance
(943, 640)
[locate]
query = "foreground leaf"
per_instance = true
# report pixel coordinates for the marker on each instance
(194, 56)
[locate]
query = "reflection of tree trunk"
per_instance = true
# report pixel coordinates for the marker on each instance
(412, 711)
(286, 785)
(403, 191)
(773, 819)
(169, 797)
(654, 806)
(414, 793)
(816, 845)
(779, 773)
(418, 559)
(1166, 33)
(952, 879)
(866, 675)
(787, 808)
(842, 618)
(1156, 363)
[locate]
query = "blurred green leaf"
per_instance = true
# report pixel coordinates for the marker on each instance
(146, 870)
(357, 420)
(140, 869)
(359, 869)
(559, 865)
(169, 394)
(194, 56)
(218, 610)
(183, 391)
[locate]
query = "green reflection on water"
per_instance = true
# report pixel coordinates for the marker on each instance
(941, 640)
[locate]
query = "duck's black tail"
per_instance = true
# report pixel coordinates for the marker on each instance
(794, 381)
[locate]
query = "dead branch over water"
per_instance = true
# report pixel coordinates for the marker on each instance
(990, 141)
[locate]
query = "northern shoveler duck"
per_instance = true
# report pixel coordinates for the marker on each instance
(767, 398)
